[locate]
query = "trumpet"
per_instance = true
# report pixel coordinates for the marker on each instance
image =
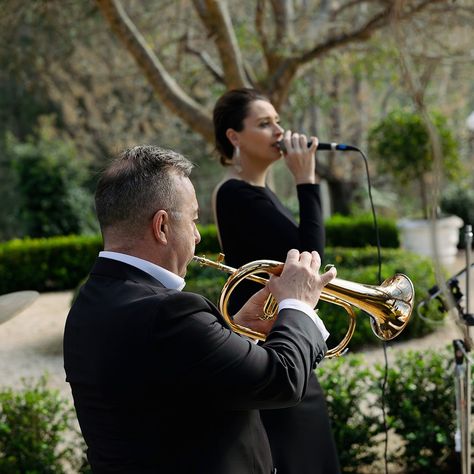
(388, 305)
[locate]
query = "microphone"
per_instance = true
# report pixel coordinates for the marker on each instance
(325, 146)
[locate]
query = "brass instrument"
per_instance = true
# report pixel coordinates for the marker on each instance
(389, 305)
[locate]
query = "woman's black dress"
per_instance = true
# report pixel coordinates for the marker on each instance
(254, 225)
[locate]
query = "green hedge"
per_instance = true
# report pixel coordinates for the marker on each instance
(341, 231)
(419, 405)
(60, 263)
(37, 433)
(33, 425)
(55, 263)
(358, 231)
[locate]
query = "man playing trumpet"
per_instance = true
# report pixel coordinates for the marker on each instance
(160, 382)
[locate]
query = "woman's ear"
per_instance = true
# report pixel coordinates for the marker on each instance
(160, 225)
(232, 136)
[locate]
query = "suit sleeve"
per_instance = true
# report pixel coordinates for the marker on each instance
(207, 359)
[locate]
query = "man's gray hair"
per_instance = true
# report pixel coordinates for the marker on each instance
(136, 184)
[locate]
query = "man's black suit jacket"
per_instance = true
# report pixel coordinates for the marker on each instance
(162, 385)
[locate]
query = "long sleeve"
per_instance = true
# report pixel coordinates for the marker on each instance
(311, 226)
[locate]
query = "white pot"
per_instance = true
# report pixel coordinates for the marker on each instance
(419, 236)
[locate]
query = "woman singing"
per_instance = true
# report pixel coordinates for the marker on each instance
(253, 225)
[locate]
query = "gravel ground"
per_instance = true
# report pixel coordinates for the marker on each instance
(31, 342)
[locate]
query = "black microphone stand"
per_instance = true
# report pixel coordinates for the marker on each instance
(462, 372)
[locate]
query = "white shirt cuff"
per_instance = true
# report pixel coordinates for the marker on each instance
(291, 303)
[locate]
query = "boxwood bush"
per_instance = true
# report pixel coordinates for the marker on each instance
(38, 432)
(420, 407)
(33, 425)
(420, 398)
(347, 384)
(60, 263)
(55, 263)
(358, 231)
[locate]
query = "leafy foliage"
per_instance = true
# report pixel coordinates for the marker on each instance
(347, 384)
(358, 231)
(55, 263)
(420, 400)
(459, 201)
(33, 423)
(38, 433)
(401, 144)
(50, 179)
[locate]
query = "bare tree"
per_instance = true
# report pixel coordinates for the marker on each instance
(283, 52)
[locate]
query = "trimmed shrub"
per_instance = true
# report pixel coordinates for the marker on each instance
(33, 423)
(420, 406)
(401, 145)
(347, 384)
(38, 433)
(61, 263)
(51, 185)
(341, 231)
(420, 402)
(56, 263)
(209, 241)
(358, 231)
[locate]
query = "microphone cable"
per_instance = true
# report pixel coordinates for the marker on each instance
(379, 279)
(344, 147)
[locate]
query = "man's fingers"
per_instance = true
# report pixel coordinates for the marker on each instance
(306, 258)
(315, 261)
(292, 256)
(328, 276)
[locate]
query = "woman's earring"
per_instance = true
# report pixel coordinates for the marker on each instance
(236, 160)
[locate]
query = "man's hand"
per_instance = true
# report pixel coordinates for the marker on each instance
(300, 278)
(251, 311)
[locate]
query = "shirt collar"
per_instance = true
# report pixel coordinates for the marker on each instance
(165, 277)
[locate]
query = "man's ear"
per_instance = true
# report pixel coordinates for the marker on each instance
(160, 225)
(232, 136)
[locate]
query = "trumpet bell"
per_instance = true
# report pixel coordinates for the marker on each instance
(389, 305)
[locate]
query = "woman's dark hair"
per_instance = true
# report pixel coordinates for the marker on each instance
(229, 112)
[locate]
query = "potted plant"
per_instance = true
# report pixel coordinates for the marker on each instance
(400, 144)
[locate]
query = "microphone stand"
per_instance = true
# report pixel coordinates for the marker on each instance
(462, 372)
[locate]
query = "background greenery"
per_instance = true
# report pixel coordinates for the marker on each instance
(71, 96)
(38, 434)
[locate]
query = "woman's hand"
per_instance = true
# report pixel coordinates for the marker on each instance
(299, 158)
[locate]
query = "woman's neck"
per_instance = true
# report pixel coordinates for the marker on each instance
(250, 173)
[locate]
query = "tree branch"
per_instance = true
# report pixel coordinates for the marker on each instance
(171, 94)
(209, 64)
(364, 32)
(216, 19)
(282, 12)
